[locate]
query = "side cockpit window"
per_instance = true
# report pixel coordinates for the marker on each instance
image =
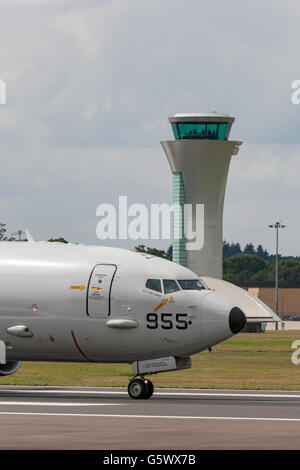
(154, 284)
(191, 284)
(170, 286)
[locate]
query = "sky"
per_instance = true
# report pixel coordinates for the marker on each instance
(89, 89)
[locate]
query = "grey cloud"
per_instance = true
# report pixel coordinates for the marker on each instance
(90, 86)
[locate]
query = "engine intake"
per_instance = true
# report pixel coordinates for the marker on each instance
(10, 367)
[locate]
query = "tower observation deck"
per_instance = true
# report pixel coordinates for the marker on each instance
(199, 158)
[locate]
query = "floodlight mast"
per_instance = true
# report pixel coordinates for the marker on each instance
(277, 226)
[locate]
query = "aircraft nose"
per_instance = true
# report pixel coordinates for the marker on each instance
(237, 320)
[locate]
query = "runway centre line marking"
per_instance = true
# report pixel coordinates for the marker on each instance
(41, 403)
(89, 415)
(157, 394)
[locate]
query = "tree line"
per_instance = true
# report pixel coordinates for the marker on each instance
(255, 267)
(231, 249)
(20, 236)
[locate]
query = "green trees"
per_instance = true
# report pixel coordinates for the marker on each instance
(3, 234)
(152, 251)
(231, 249)
(244, 268)
(60, 240)
(249, 249)
(289, 273)
(262, 253)
(20, 235)
(252, 270)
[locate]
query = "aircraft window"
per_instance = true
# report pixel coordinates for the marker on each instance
(154, 284)
(170, 286)
(191, 284)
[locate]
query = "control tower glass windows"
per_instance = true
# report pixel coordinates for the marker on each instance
(200, 130)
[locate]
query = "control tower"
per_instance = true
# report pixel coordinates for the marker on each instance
(199, 158)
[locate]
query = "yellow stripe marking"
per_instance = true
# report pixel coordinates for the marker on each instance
(161, 305)
(77, 287)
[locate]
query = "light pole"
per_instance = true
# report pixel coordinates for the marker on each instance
(277, 225)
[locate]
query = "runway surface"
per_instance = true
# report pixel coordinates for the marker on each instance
(106, 418)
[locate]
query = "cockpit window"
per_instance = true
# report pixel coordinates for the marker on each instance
(191, 284)
(170, 286)
(154, 284)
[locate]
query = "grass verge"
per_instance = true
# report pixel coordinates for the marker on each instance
(245, 362)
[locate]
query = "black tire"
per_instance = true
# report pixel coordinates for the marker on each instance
(149, 390)
(136, 389)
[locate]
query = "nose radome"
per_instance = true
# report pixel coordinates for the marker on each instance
(237, 320)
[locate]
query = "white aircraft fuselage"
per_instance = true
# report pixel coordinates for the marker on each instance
(64, 302)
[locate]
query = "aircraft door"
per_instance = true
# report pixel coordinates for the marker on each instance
(99, 290)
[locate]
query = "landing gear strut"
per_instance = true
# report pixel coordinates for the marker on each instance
(140, 388)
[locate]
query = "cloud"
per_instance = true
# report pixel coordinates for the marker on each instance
(90, 87)
(263, 187)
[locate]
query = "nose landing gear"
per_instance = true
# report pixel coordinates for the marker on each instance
(140, 388)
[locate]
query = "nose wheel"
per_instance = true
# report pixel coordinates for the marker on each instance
(140, 388)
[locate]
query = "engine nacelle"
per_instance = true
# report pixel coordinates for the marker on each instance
(10, 367)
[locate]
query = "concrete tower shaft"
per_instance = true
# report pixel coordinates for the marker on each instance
(199, 158)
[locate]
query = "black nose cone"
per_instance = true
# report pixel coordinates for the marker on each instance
(237, 320)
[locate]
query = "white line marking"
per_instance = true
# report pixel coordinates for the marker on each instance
(42, 403)
(156, 393)
(255, 395)
(61, 392)
(217, 418)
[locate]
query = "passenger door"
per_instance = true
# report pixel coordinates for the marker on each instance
(99, 290)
